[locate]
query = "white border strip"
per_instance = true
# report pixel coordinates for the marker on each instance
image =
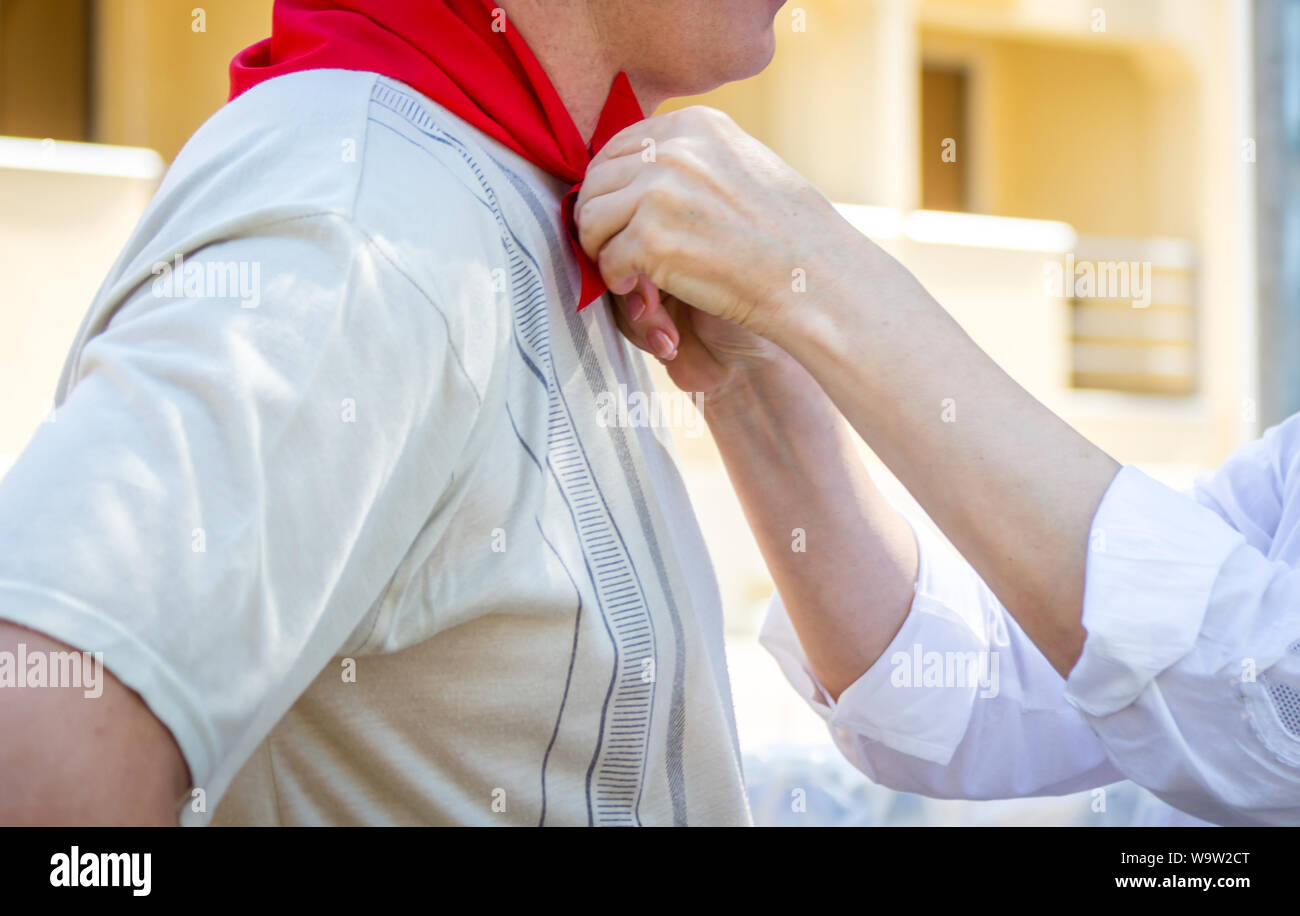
(951, 228)
(1247, 253)
(974, 229)
(80, 158)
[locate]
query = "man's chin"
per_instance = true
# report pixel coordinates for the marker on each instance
(769, 52)
(759, 58)
(756, 57)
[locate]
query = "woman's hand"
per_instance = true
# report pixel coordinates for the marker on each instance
(691, 204)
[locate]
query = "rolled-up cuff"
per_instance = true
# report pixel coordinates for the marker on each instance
(895, 702)
(1153, 558)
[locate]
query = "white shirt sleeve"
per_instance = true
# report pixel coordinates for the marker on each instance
(1188, 684)
(225, 491)
(1190, 674)
(961, 704)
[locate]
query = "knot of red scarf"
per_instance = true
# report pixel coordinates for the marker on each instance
(465, 56)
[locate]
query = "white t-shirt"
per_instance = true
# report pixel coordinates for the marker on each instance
(332, 492)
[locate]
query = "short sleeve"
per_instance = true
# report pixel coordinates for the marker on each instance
(241, 461)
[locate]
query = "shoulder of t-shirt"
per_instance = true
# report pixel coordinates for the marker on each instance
(339, 146)
(315, 155)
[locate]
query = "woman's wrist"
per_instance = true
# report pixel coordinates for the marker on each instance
(844, 318)
(829, 300)
(859, 322)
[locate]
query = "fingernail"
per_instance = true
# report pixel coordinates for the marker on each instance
(635, 306)
(662, 344)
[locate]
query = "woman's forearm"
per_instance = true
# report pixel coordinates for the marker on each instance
(718, 220)
(842, 558)
(1010, 483)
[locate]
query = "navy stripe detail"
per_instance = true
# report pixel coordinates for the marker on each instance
(627, 710)
(568, 678)
(597, 382)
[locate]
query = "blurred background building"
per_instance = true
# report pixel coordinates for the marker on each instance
(995, 147)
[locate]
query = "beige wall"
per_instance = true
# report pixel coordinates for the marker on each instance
(1101, 131)
(1143, 125)
(1133, 132)
(839, 100)
(60, 233)
(43, 83)
(156, 79)
(1065, 137)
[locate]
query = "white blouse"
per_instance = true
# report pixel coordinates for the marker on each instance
(1189, 680)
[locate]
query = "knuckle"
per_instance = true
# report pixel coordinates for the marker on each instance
(710, 119)
(679, 115)
(658, 246)
(678, 152)
(582, 215)
(667, 151)
(607, 259)
(634, 237)
(585, 218)
(660, 197)
(618, 257)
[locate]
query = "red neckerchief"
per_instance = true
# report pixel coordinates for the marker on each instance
(465, 56)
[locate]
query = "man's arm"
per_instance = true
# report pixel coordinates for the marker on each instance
(69, 759)
(220, 498)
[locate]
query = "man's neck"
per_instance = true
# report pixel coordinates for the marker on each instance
(577, 54)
